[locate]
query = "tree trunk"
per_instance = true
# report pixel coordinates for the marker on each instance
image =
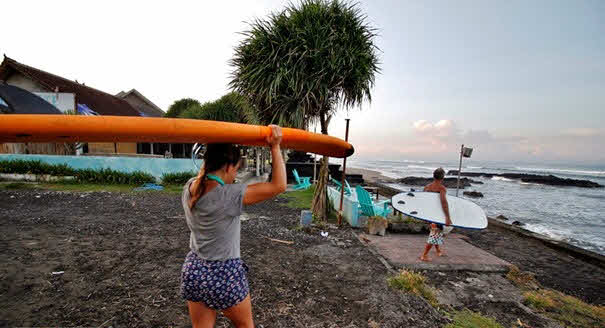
(319, 205)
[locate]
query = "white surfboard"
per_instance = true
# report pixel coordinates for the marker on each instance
(426, 206)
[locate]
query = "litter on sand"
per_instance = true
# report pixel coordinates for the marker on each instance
(149, 186)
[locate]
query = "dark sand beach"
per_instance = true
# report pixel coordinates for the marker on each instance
(120, 255)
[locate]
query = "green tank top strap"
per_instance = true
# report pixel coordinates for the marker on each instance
(215, 178)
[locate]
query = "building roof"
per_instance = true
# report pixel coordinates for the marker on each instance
(152, 107)
(20, 101)
(101, 102)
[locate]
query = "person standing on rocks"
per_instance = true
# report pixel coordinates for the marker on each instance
(213, 276)
(436, 234)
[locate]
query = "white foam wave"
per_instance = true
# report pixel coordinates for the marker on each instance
(474, 167)
(501, 179)
(554, 234)
(568, 171)
(422, 167)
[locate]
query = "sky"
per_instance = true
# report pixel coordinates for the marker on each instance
(519, 81)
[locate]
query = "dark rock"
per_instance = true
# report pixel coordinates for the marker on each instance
(517, 223)
(550, 180)
(447, 182)
(408, 227)
(473, 194)
(410, 194)
(502, 217)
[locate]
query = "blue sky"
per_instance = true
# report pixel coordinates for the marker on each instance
(517, 80)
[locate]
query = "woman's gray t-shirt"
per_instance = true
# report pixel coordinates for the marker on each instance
(214, 221)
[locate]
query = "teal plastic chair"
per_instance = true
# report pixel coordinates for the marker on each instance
(368, 208)
(348, 191)
(301, 182)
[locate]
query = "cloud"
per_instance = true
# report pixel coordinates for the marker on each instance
(441, 140)
(582, 132)
(442, 129)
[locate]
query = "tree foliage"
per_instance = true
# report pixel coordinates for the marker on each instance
(179, 106)
(304, 61)
(229, 108)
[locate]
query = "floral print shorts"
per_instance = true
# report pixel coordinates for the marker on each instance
(218, 284)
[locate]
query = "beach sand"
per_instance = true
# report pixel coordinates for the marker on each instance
(121, 257)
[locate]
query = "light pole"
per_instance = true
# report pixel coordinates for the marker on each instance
(464, 152)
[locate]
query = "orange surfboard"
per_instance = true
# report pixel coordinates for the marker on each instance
(72, 128)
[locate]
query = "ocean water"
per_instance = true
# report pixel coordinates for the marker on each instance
(572, 214)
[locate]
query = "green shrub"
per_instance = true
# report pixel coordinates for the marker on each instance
(103, 176)
(177, 178)
(414, 283)
(108, 176)
(35, 167)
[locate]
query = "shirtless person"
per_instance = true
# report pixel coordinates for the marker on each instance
(436, 235)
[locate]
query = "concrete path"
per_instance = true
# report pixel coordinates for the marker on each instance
(404, 250)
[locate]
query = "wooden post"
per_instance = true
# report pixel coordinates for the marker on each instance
(459, 169)
(344, 175)
(315, 163)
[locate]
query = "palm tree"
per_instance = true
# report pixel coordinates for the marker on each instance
(302, 64)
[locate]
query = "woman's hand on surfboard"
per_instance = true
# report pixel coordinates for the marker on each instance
(276, 134)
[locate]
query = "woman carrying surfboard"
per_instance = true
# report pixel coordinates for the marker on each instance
(214, 277)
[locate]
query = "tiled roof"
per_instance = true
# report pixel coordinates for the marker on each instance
(151, 109)
(101, 102)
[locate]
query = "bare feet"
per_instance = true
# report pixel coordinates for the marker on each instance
(440, 254)
(424, 258)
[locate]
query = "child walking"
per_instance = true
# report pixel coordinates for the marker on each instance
(436, 234)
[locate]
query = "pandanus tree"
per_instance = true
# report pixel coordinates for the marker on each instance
(299, 66)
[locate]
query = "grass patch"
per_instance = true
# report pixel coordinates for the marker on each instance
(469, 319)
(414, 283)
(299, 198)
(522, 279)
(177, 178)
(568, 310)
(17, 186)
(85, 187)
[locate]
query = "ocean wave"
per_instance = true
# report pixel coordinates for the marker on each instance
(554, 234)
(592, 196)
(501, 179)
(568, 171)
(422, 167)
(475, 167)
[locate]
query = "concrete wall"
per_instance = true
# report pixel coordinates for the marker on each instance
(350, 207)
(110, 148)
(153, 166)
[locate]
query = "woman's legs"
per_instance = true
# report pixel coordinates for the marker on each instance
(201, 315)
(241, 314)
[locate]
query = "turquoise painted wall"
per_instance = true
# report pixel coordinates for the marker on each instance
(154, 166)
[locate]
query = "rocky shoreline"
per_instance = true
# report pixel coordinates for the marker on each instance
(447, 182)
(550, 180)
